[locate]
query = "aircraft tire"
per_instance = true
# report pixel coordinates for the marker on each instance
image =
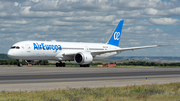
(19, 64)
(63, 65)
(87, 65)
(57, 64)
(60, 64)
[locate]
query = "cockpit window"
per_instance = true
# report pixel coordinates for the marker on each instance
(15, 47)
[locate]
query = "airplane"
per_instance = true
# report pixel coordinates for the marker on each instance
(82, 53)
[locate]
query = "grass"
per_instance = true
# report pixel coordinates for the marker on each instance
(154, 92)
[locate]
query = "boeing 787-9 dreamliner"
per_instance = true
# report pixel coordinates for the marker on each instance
(82, 53)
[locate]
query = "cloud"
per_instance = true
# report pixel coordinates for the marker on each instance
(164, 21)
(151, 11)
(175, 11)
(142, 30)
(145, 21)
(12, 0)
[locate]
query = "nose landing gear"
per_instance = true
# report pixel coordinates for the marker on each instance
(19, 63)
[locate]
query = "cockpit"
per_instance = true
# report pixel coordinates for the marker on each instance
(15, 47)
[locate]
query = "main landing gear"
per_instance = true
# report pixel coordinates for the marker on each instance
(60, 64)
(86, 65)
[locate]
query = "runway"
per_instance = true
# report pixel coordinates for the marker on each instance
(44, 78)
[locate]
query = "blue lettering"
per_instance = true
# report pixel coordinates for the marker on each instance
(56, 48)
(39, 47)
(53, 47)
(43, 46)
(47, 47)
(35, 46)
(59, 47)
(50, 47)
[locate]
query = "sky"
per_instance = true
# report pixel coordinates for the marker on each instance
(146, 22)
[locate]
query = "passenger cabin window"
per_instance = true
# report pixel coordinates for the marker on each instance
(15, 47)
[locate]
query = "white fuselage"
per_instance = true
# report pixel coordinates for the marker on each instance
(81, 53)
(52, 50)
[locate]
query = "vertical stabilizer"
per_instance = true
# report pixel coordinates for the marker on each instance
(115, 38)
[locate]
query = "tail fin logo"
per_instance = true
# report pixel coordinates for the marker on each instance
(117, 35)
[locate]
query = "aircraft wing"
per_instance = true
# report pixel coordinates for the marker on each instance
(125, 49)
(142, 47)
(95, 52)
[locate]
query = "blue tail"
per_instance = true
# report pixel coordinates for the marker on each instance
(115, 38)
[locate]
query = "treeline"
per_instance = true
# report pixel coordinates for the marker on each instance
(15, 62)
(3, 56)
(131, 63)
(141, 63)
(145, 63)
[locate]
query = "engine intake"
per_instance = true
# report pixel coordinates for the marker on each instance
(83, 58)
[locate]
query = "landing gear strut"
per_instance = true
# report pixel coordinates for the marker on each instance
(60, 64)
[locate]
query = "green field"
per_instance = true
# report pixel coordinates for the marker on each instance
(165, 92)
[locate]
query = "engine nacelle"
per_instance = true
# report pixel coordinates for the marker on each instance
(83, 58)
(32, 61)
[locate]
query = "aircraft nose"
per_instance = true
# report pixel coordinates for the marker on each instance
(10, 53)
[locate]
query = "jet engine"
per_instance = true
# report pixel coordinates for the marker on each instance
(83, 58)
(32, 61)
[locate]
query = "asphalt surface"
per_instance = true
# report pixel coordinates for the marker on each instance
(43, 78)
